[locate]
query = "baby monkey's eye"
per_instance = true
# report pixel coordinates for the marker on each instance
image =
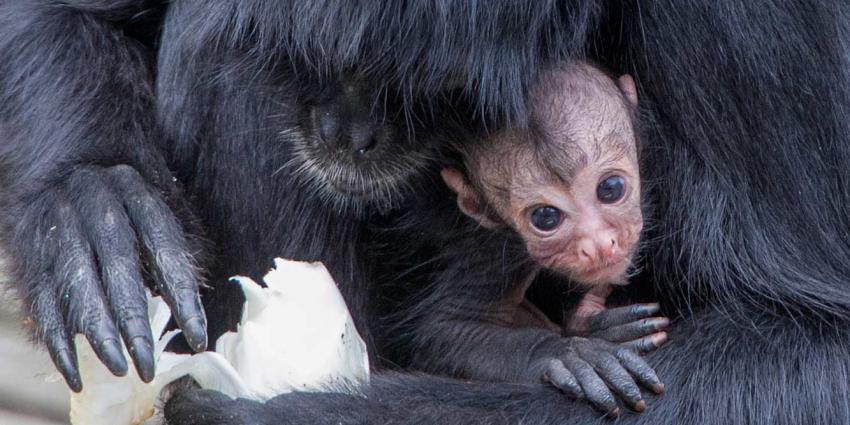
(611, 189)
(546, 218)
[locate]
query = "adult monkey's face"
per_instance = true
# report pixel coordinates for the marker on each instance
(390, 50)
(360, 145)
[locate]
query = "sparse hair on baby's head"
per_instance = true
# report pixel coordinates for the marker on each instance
(578, 110)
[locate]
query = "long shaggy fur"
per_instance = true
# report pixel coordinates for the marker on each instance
(489, 49)
(747, 158)
(753, 108)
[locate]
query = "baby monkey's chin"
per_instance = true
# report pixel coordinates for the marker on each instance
(609, 274)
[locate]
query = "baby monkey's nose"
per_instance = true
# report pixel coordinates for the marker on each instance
(600, 248)
(608, 248)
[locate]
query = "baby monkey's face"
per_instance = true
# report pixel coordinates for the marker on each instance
(577, 203)
(578, 209)
(571, 188)
(588, 228)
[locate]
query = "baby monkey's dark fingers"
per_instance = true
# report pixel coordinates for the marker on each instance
(632, 330)
(559, 376)
(594, 388)
(647, 343)
(640, 369)
(617, 377)
(621, 315)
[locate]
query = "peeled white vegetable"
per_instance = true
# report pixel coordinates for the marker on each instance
(294, 335)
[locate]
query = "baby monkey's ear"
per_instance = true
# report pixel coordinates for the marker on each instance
(627, 86)
(467, 200)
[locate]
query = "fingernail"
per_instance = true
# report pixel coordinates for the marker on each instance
(196, 335)
(651, 308)
(113, 358)
(656, 323)
(614, 413)
(68, 368)
(658, 388)
(659, 338)
(640, 406)
(141, 351)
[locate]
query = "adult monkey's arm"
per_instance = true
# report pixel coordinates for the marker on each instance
(88, 201)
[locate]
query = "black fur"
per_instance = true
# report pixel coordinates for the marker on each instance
(253, 58)
(727, 90)
(81, 171)
(747, 159)
(459, 309)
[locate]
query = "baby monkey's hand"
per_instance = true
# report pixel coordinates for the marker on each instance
(636, 326)
(602, 346)
(592, 368)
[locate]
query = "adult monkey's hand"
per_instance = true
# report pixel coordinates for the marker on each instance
(88, 201)
(82, 245)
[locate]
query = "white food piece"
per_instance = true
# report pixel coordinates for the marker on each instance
(316, 346)
(295, 335)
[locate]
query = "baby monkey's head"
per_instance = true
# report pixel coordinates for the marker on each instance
(569, 184)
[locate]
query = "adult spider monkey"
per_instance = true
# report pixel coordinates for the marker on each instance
(751, 107)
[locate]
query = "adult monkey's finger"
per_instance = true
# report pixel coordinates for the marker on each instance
(83, 303)
(114, 242)
(50, 328)
(165, 244)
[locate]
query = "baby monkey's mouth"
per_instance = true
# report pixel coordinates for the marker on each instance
(613, 272)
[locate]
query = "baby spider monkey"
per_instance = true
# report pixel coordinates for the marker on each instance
(563, 195)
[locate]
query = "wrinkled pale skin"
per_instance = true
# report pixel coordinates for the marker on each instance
(569, 187)
(586, 121)
(288, 340)
(588, 135)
